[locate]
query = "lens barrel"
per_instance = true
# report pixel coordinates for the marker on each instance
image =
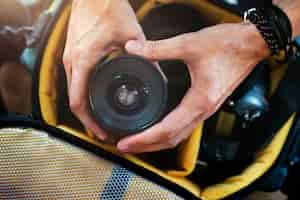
(127, 95)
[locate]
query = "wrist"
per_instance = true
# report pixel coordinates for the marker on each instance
(255, 41)
(294, 17)
(291, 8)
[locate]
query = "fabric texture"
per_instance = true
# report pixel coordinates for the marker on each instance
(35, 165)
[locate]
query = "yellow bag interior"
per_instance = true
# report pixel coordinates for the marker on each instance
(188, 151)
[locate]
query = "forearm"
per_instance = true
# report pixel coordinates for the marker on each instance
(292, 9)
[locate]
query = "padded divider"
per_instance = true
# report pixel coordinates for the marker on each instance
(188, 150)
(48, 69)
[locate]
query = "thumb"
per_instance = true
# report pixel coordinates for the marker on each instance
(167, 49)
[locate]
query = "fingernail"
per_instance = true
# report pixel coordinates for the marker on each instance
(123, 148)
(90, 133)
(134, 46)
(102, 137)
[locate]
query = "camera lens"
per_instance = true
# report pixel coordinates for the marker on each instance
(126, 98)
(127, 95)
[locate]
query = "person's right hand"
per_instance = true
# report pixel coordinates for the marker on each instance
(96, 28)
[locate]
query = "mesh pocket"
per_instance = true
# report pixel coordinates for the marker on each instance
(35, 165)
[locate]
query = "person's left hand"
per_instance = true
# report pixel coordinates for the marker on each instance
(96, 28)
(218, 59)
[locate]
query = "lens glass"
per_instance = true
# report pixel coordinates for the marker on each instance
(127, 94)
(126, 97)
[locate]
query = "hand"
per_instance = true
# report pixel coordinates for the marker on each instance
(218, 59)
(95, 29)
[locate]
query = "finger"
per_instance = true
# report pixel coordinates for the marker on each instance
(180, 136)
(166, 130)
(85, 54)
(67, 62)
(173, 48)
(68, 72)
(186, 132)
(149, 148)
(79, 100)
(67, 55)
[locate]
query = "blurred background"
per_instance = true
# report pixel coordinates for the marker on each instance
(17, 21)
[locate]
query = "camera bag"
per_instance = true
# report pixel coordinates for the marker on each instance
(50, 156)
